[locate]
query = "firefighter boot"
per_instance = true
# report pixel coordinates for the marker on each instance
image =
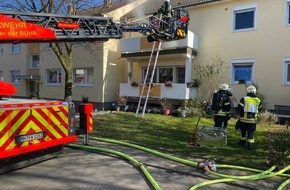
(242, 142)
(249, 146)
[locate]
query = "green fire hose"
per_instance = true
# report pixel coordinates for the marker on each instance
(224, 178)
(120, 154)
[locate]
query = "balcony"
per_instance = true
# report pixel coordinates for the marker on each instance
(140, 49)
(133, 46)
(159, 90)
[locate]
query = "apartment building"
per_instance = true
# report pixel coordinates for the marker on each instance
(251, 36)
(20, 66)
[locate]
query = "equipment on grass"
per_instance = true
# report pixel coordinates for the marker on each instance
(208, 135)
(194, 139)
(212, 134)
(207, 165)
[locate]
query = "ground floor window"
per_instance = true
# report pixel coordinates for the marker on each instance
(286, 75)
(83, 76)
(242, 70)
(180, 75)
(13, 77)
(163, 74)
(34, 61)
(53, 76)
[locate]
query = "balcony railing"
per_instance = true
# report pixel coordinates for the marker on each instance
(159, 90)
(140, 44)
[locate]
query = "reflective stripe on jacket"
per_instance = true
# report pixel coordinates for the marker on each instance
(251, 109)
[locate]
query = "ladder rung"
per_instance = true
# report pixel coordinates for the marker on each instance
(149, 76)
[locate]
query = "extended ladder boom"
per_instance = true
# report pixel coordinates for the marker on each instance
(42, 27)
(65, 27)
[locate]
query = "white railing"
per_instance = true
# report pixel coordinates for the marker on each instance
(140, 44)
(176, 91)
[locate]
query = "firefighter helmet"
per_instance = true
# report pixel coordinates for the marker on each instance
(251, 89)
(224, 86)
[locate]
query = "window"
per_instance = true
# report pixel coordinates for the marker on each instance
(154, 78)
(242, 70)
(1, 76)
(286, 75)
(13, 78)
(162, 74)
(288, 13)
(83, 76)
(15, 48)
(244, 17)
(1, 49)
(180, 75)
(53, 76)
(34, 61)
(165, 74)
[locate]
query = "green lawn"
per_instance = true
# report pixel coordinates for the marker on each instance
(171, 135)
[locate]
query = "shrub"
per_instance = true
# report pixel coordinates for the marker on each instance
(85, 99)
(279, 143)
(267, 117)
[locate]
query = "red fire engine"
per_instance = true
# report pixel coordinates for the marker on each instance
(33, 130)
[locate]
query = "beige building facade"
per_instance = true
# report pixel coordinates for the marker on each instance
(251, 36)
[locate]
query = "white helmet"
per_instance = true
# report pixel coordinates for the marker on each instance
(224, 86)
(167, 1)
(251, 89)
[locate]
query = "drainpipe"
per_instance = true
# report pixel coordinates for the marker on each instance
(188, 68)
(130, 72)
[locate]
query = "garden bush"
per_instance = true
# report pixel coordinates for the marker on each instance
(279, 143)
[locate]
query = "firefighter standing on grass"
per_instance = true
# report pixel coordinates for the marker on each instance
(248, 109)
(222, 105)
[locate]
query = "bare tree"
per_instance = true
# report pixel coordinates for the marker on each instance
(211, 75)
(63, 50)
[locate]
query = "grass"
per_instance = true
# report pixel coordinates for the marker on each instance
(171, 135)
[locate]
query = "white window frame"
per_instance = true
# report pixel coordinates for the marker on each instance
(58, 81)
(287, 22)
(174, 73)
(242, 62)
(87, 82)
(32, 63)
(15, 73)
(15, 48)
(1, 49)
(244, 8)
(286, 67)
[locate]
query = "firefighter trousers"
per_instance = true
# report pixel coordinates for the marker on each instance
(221, 121)
(247, 132)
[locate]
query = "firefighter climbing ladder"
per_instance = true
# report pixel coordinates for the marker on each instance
(148, 80)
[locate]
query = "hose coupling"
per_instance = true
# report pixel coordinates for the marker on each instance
(139, 164)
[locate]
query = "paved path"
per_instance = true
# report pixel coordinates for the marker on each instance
(75, 169)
